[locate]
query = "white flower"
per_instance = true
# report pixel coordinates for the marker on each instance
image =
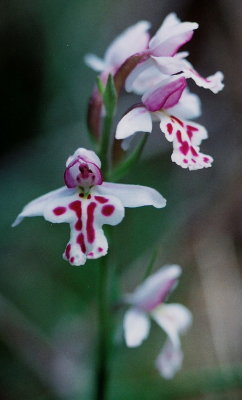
(87, 203)
(147, 302)
(133, 40)
(171, 104)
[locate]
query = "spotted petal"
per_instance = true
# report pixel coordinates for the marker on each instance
(132, 195)
(178, 64)
(36, 207)
(186, 137)
(136, 327)
(155, 289)
(85, 214)
(212, 82)
(169, 361)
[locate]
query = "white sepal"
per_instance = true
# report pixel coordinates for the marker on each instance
(36, 207)
(155, 289)
(136, 327)
(133, 195)
(136, 120)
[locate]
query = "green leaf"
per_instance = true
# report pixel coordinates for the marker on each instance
(124, 167)
(110, 96)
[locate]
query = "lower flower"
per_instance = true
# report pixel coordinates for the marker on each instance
(87, 203)
(147, 302)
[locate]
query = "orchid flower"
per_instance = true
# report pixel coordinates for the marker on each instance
(87, 203)
(147, 302)
(133, 40)
(164, 60)
(170, 104)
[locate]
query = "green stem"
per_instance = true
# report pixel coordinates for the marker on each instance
(103, 351)
(122, 169)
(104, 146)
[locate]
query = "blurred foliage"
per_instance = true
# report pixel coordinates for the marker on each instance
(47, 308)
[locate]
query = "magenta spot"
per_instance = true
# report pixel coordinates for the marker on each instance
(101, 199)
(194, 161)
(59, 210)
(206, 159)
(179, 136)
(177, 120)
(108, 210)
(91, 254)
(184, 148)
(90, 220)
(76, 206)
(194, 152)
(89, 196)
(169, 128)
(78, 225)
(80, 241)
(190, 130)
(185, 160)
(81, 195)
(72, 259)
(100, 249)
(67, 251)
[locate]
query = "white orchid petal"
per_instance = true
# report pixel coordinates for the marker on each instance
(155, 289)
(136, 120)
(142, 77)
(36, 207)
(133, 40)
(166, 94)
(213, 82)
(169, 65)
(188, 107)
(94, 62)
(174, 319)
(136, 327)
(133, 195)
(169, 361)
(171, 36)
(85, 214)
(186, 137)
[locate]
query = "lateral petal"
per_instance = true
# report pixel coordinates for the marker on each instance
(171, 36)
(166, 94)
(133, 195)
(155, 289)
(94, 62)
(136, 327)
(133, 40)
(36, 207)
(136, 120)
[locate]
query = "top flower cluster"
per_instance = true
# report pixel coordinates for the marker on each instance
(158, 72)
